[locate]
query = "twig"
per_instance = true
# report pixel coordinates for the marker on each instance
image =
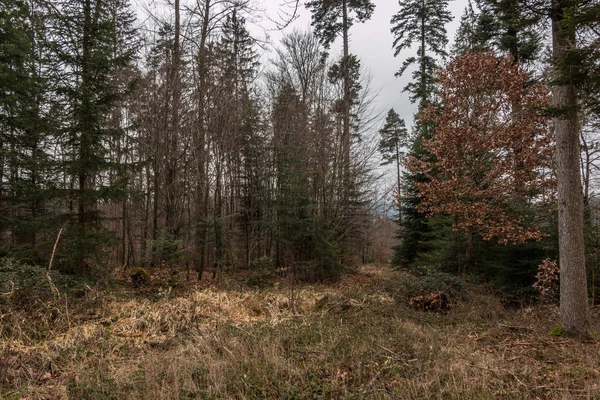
(396, 356)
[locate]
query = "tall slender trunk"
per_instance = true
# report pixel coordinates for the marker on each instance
(217, 219)
(347, 83)
(574, 313)
(155, 199)
(85, 134)
(423, 85)
(345, 145)
(201, 153)
(173, 207)
(468, 254)
(398, 182)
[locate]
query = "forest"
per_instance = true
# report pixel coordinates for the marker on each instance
(190, 209)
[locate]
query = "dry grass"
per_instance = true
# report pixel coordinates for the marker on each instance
(353, 339)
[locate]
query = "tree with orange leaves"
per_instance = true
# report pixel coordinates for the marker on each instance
(490, 153)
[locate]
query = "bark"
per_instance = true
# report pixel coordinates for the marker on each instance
(574, 314)
(83, 150)
(172, 211)
(201, 154)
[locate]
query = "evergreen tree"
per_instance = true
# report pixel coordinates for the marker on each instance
(414, 230)
(393, 140)
(466, 34)
(510, 26)
(25, 129)
(326, 15)
(421, 22)
(87, 31)
(242, 144)
(15, 46)
(574, 66)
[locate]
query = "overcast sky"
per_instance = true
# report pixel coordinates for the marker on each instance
(372, 42)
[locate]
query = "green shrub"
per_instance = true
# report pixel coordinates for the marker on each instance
(261, 278)
(435, 282)
(30, 282)
(262, 263)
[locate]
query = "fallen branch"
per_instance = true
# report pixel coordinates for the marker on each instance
(52, 286)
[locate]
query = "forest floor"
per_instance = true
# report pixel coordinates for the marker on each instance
(358, 338)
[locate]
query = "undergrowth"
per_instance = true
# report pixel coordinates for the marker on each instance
(353, 339)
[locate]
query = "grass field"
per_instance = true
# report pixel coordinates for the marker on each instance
(354, 339)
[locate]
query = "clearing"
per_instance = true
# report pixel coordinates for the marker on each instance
(354, 339)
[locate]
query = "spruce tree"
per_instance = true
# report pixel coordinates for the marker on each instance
(242, 145)
(466, 34)
(510, 26)
(86, 31)
(25, 127)
(393, 139)
(421, 22)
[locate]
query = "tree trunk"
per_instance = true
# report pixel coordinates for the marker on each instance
(201, 153)
(345, 171)
(172, 212)
(573, 286)
(468, 255)
(85, 137)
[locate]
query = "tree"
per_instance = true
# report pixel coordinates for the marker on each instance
(86, 31)
(422, 22)
(574, 65)
(466, 34)
(510, 26)
(568, 17)
(326, 15)
(393, 140)
(419, 22)
(470, 167)
(307, 188)
(27, 106)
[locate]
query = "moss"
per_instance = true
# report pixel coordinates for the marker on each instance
(139, 276)
(557, 331)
